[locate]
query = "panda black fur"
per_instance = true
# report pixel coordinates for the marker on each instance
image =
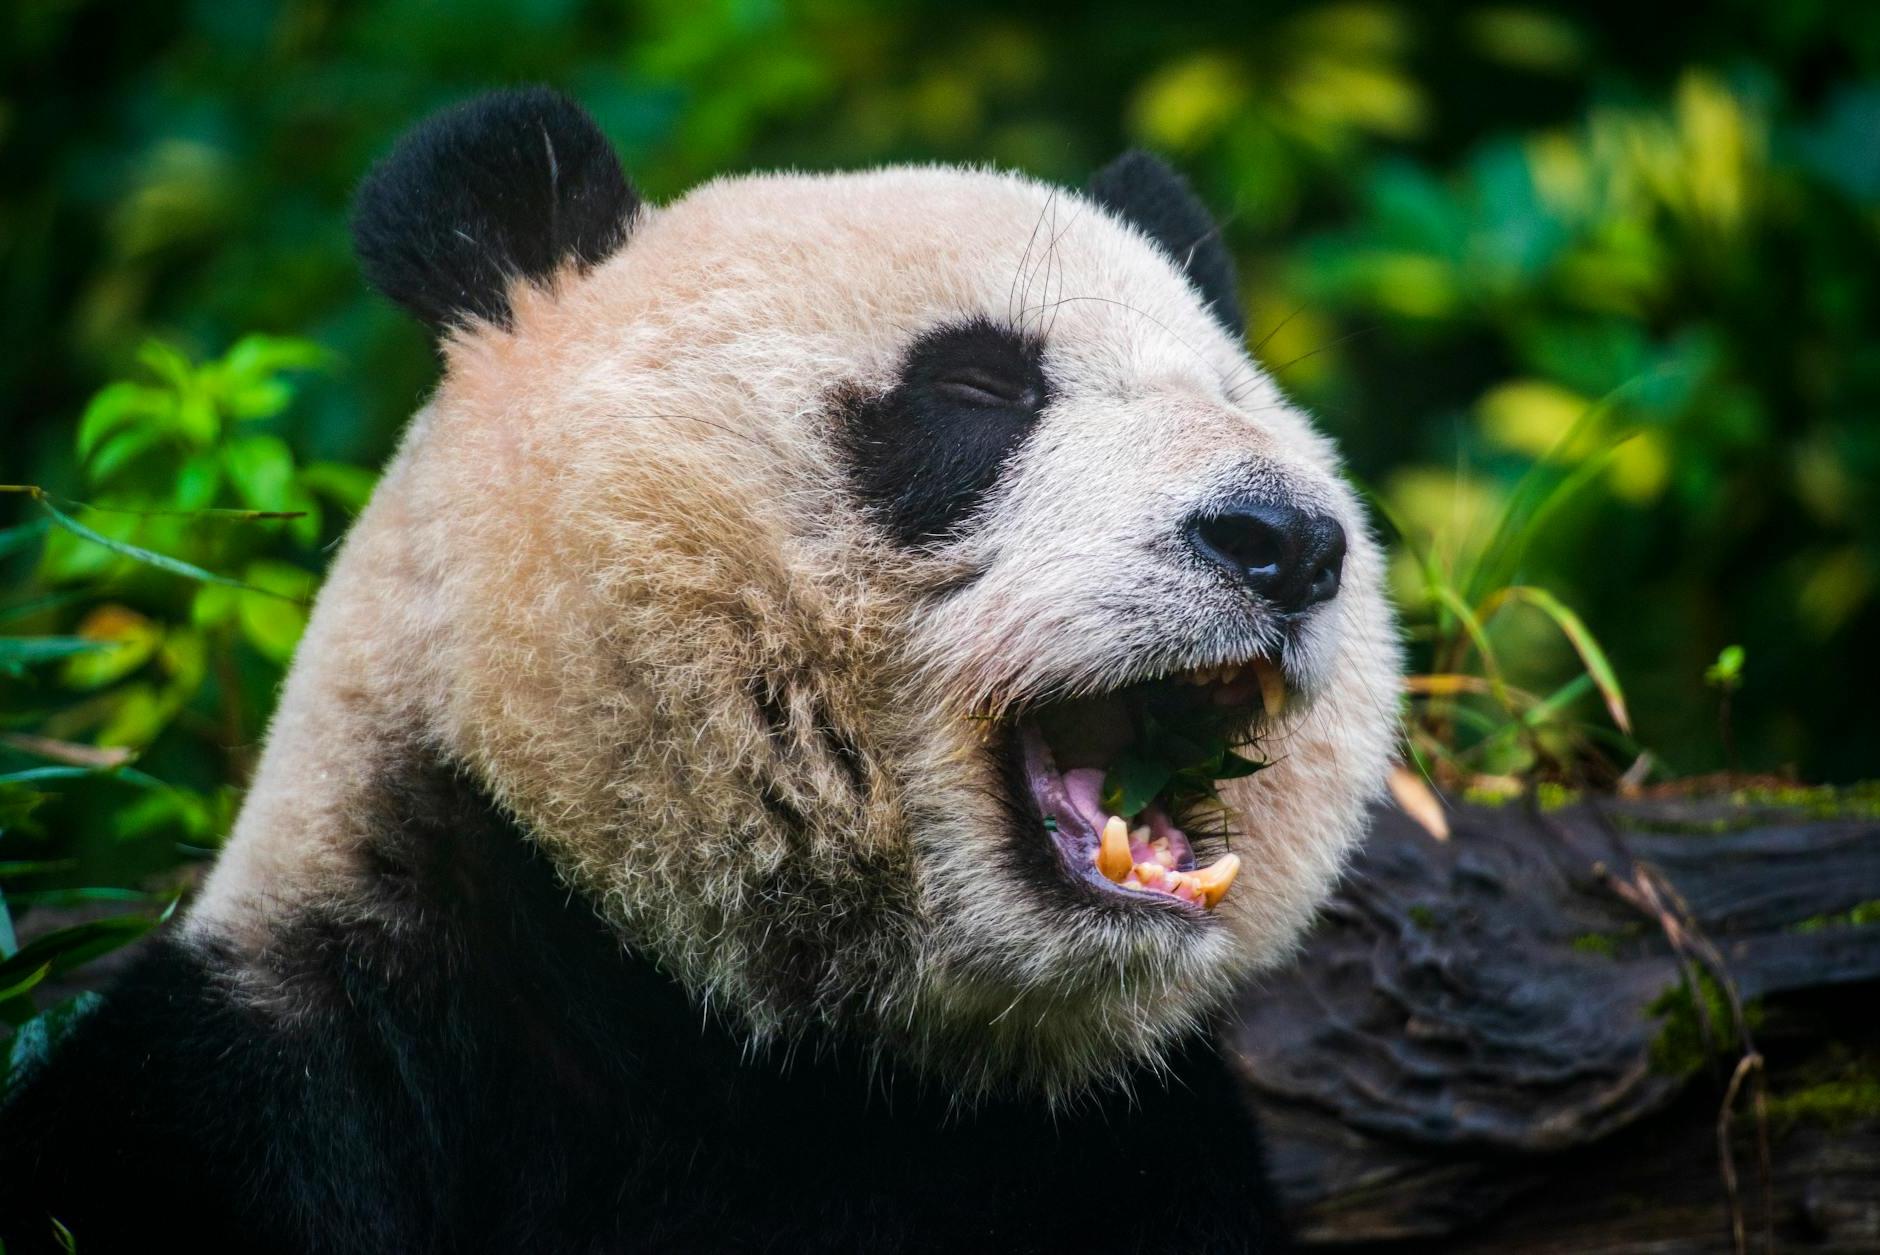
(647, 853)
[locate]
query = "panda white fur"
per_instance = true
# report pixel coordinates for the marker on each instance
(683, 824)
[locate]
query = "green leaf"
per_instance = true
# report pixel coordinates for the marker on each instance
(120, 451)
(259, 357)
(262, 399)
(17, 653)
(167, 363)
(17, 804)
(163, 562)
(198, 481)
(273, 621)
(66, 948)
(261, 469)
(25, 983)
(1232, 766)
(1539, 513)
(36, 1039)
(14, 539)
(213, 605)
(63, 898)
(129, 639)
(1132, 783)
(348, 487)
(120, 405)
(37, 775)
(139, 712)
(196, 418)
(38, 867)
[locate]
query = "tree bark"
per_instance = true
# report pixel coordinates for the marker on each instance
(1520, 1039)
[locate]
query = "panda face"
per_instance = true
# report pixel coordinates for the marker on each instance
(816, 565)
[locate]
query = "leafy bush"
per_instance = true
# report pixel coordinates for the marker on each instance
(139, 665)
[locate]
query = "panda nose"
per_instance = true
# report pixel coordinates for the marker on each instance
(1289, 557)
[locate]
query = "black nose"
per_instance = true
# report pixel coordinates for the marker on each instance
(1291, 558)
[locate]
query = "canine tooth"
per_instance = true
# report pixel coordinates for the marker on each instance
(1272, 687)
(1213, 880)
(1113, 858)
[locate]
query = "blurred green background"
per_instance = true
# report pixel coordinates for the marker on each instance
(1590, 296)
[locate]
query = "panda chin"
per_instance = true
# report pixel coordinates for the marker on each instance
(1169, 854)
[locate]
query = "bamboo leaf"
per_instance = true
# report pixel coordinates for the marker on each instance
(26, 982)
(149, 557)
(1132, 783)
(20, 652)
(14, 539)
(66, 948)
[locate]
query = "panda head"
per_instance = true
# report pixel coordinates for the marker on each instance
(814, 565)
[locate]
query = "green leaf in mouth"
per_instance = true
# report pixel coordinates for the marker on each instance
(1184, 764)
(1233, 766)
(1132, 783)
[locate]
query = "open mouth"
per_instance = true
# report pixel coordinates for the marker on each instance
(1125, 783)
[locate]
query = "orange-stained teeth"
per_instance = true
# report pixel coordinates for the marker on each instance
(1213, 880)
(1229, 673)
(1113, 857)
(1272, 687)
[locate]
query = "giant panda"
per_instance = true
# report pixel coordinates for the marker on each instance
(687, 823)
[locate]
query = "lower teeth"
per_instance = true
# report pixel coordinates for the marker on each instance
(1157, 873)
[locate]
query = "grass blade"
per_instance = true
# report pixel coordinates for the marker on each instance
(1478, 636)
(1523, 503)
(1591, 655)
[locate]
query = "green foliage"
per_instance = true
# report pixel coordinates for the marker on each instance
(1589, 302)
(129, 642)
(1467, 720)
(1458, 226)
(1180, 759)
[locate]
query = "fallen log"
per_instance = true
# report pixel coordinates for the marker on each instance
(1520, 1038)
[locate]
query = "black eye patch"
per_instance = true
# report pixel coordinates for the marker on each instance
(923, 454)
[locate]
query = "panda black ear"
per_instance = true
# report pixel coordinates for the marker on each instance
(1150, 194)
(513, 184)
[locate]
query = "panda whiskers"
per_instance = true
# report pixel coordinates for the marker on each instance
(1014, 301)
(1146, 316)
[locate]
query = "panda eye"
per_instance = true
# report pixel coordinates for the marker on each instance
(987, 389)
